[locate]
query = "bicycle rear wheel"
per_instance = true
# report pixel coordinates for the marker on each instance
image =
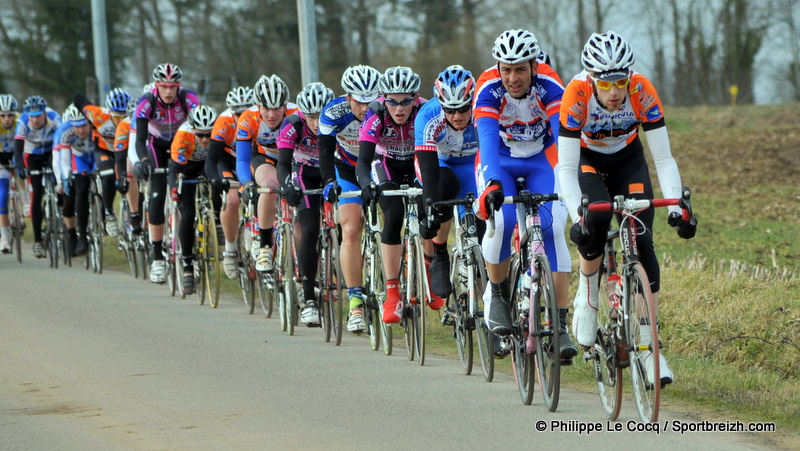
(52, 231)
(641, 331)
(18, 224)
(607, 370)
(480, 281)
(172, 244)
(265, 293)
(459, 299)
(374, 291)
(545, 329)
(142, 244)
(212, 267)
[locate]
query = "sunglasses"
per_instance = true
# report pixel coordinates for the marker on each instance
(461, 110)
(203, 135)
(606, 85)
(404, 103)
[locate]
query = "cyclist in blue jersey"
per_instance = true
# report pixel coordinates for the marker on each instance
(33, 147)
(8, 118)
(446, 146)
(73, 158)
(158, 115)
(338, 152)
(516, 111)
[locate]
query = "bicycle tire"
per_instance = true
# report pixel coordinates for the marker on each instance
(212, 266)
(143, 253)
(97, 234)
(174, 268)
(459, 300)
(607, 370)
(63, 248)
(323, 286)
(374, 291)
(379, 296)
(338, 293)
(125, 240)
(290, 282)
(17, 223)
(546, 335)
(420, 309)
(265, 293)
(642, 314)
(199, 253)
(523, 365)
(52, 231)
(406, 284)
(479, 284)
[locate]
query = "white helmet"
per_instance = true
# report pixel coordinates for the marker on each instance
(271, 92)
(399, 80)
(202, 117)
(607, 56)
(74, 117)
(515, 46)
(361, 83)
(167, 73)
(8, 103)
(313, 98)
(148, 87)
(239, 99)
(454, 87)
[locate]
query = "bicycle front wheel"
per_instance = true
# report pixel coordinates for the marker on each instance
(336, 290)
(52, 232)
(524, 366)
(459, 308)
(324, 280)
(172, 244)
(265, 293)
(477, 291)
(96, 242)
(546, 335)
(17, 224)
(211, 264)
(641, 331)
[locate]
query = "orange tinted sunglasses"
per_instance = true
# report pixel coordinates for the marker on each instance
(606, 85)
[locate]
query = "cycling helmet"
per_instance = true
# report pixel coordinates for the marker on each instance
(454, 87)
(8, 103)
(149, 87)
(131, 107)
(544, 58)
(361, 83)
(399, 80)
(515, 46)
(73, 116)
(313, 98)
(117, 100)
(607, 56)
(34, 106)
(167, 73)
(239, 99)
(202, 117)
(271, 92)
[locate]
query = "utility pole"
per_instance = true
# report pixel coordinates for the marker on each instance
(307, 24)
(100, 40)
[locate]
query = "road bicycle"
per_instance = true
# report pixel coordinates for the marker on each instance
(534, 339)
(143, 245)
(171, 243)
(96, 226)
(16, 220)
(52, 235)
(286, 279)
(465, 311)
(126, 241)
(413, 279)
(374, 281)
(628, 327)
(250, 280)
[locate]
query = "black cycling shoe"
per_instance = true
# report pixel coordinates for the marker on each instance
(499, 317)
(81, 247)
(500, 351)
(188, 281)
(440, 275)
(567, 349)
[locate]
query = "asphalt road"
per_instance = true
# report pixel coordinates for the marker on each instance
(108, 362)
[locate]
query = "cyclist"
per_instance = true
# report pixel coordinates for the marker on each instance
(260, 125)
(188, 153)
(33, 147)
(298, 169)
(221, 169)
(159, 114)
(388, 130)
(516, 112)
(105, 122)
(338, 152)
(601, 155)
(8, 119)
(446, 145)
(74, 156)
(122, 140)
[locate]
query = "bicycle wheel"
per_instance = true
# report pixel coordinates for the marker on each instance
(479, 283)
(336, 289)
(524, 366)
(17, 224)
(143, 254)
(375, 293)
(174, 269)
(198, 252)
(212, 266)
(323, 285)
(642, 334)
(265, 293)
(463, 324)
(289, 280)
(52, 232)
(125, 240)
(546, 336)
(96, 244)
(607, 371)
(407, 295)
(245, 270)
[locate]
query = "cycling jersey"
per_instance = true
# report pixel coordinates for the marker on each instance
(433, 133)
(251, 129)
(7, 136)
(603, 131)
(295, 134)
(393, 141)
(185, 146)
(338, 120)
(164, 120)
(520, 128)
(100, 118)
(72, 154)
(225, 131)
(39, 141)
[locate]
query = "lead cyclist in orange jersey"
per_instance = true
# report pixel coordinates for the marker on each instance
(601, 156)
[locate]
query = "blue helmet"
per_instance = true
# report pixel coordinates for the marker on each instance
(117, 101)
(454, 87)
(34, 106)
(8, 103)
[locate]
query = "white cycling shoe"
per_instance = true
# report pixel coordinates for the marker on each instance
(584, 316)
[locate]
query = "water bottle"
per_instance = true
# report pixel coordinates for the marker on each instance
(614, 290)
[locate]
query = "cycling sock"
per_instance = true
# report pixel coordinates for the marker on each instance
(187, 262)
(356, 295)
(73, 233)
(439, 248)
(230, 247)
(158, 249)
(392, 289)
(4, 233)
(266, 237)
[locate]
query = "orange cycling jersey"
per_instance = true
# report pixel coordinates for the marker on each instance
(251, 127)
(606, 131)
(225, 131)
(185, 147)
(104, 128)
(123, 135)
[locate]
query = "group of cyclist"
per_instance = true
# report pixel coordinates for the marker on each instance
(514, 127)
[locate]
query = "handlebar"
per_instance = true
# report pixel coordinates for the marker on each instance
(524, 197)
